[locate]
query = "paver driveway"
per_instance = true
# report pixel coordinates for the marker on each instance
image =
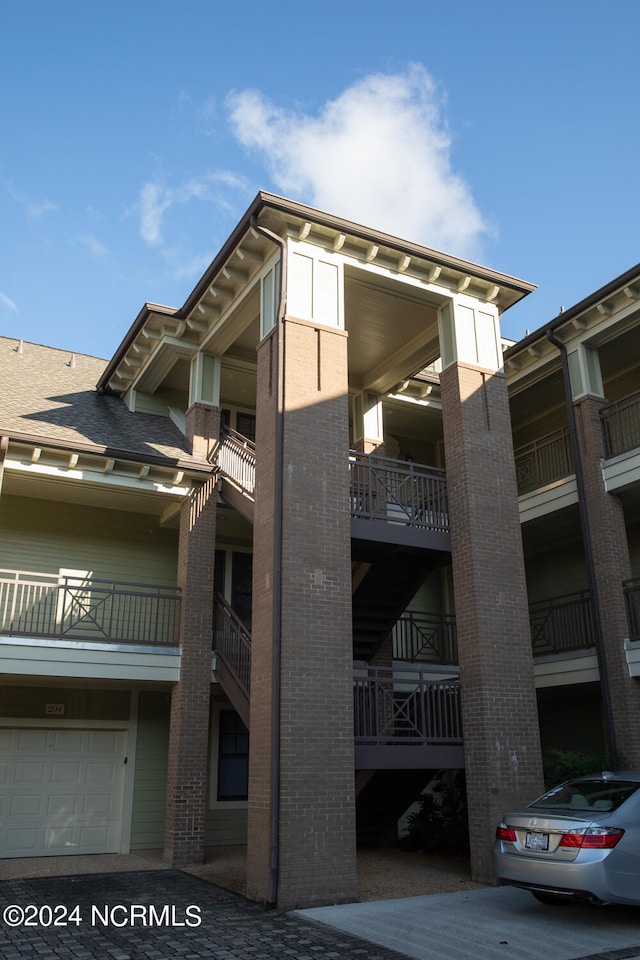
(147, 916)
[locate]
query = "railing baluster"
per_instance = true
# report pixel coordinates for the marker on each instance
(405, 708)
(395, 491)
(620, 423)
(53, 607)
(543, 461)
(632, 600)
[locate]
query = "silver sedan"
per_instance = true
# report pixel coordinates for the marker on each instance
(579, 841)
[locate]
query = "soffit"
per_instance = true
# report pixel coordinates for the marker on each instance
(219, 316)
(392, 327)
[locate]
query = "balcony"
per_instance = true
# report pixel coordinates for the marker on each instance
(621, 425)
(87, 610)
(562, 624)
(422, 637)
(544, 461)
(632, 600)
(406, 719)
(397, 501)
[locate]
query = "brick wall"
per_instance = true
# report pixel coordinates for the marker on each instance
(317, 806)
(612, 565)
(189, 725)
(501, 737)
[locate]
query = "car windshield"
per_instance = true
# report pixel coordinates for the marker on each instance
(597, 795)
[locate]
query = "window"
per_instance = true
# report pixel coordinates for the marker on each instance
(233, 757)
(246, 425)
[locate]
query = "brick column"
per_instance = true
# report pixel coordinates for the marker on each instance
(316, 850)
(611, 565)
(500, 721)
(189, 725)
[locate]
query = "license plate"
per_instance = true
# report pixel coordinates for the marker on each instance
(537, 841)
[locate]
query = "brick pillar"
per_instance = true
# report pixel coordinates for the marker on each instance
(203, 428)
(189, 725)
(499, 712)
(316, 851)
(611, 564)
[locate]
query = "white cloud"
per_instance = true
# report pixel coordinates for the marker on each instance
(34, 208)
(156, 200)
(95, 247)
(380, 154)
(8, 303)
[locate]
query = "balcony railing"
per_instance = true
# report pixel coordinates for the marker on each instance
(562, 624)
(396, 491)
(236, 457)
(632, 600)
(41, 605)
(232, 643)
(621, 425)
(425, 637)
(544, 461)
(405, 709)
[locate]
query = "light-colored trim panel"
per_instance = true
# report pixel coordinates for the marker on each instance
(44, 658)
(555, 496)
(567, 670)
(632, 653)
(622, 471)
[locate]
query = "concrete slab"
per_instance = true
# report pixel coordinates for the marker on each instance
(488, 923)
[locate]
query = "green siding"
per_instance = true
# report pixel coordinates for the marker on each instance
(150, 779)
(555, 573)
(42, 536)
(223, 827)
(22, 702)
(226, 828)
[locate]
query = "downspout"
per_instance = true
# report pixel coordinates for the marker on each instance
(609, 731)
(4, 446)
(276, 624)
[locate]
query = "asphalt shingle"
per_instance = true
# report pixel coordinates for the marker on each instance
(51, 394)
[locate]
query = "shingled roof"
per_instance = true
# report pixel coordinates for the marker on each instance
(49, 396)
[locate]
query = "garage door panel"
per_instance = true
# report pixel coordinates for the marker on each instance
(97, 805)
(103, 772)
(68, 741)
(60, 840)
(94, 836)
(103, 741)
(62, 805)
(66, 795)
(25, 806)
(67, 772)
(32, 741)
(21, 840)
(34, 772)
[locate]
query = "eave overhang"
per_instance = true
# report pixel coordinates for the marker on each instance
(597, 305)
(110, 455)
(245, 252)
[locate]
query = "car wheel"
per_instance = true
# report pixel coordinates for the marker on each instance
(550, 899)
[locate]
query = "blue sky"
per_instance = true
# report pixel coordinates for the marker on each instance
(133, 136)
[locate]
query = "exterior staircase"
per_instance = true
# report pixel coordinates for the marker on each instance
(393, 714)
(232, 644)
(383, 585)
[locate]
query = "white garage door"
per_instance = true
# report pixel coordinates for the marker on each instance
(61, 791)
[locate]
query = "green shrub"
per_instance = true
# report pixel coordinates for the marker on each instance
(440, 824)
(561, 765)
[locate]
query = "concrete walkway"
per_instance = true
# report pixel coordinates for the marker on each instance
(488, 923)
